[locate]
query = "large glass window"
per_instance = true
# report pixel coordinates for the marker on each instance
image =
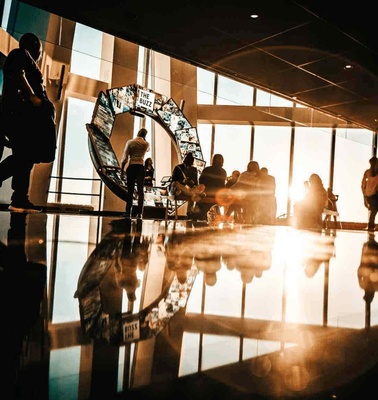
(86, 52)
(312, 153)
(233, 93)
(272, 150)
(76, 159)
(351, 160)
(271, 100)
(234, 143)
(204, 134)
(205, 86)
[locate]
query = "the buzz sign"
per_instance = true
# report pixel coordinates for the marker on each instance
(145, 100)
(131, 331)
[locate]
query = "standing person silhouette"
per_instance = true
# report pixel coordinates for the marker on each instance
(149, 173)
(133, 160)
(28, 120)
(369, 187)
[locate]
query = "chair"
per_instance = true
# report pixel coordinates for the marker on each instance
(173, 203)
(331, 211)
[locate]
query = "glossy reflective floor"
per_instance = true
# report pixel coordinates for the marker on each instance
(99, 307)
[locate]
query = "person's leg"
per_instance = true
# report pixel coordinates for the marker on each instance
(373, 210)
(6, 168)
(21, 180)
(140, 175)
(131, 179)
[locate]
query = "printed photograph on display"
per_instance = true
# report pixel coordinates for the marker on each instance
(199, 164)
(187, 141)
(103, 148)
(171, 115)
(103, 117)
(148, 101)
(122, 99)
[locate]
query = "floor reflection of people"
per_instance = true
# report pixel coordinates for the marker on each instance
(22, 287)
(368, 273)
(134, 256)
(179, 254)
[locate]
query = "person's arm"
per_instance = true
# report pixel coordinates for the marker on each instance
(27, 90)
(125, 156)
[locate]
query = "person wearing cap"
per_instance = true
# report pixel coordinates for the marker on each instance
(369, 187)
(133, 162)
(28, 120)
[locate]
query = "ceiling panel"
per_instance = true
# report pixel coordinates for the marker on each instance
(297, 48)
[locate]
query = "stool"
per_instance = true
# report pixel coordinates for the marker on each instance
(172, 202)
(328, 214)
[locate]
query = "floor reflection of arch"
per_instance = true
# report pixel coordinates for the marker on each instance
(138, 101)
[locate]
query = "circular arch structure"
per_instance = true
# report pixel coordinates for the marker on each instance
(138, 101)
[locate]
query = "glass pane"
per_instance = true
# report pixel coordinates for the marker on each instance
(272, 150)
(204, 135)
(312, 152)
(351, 160)
(77, 161)
(233, 93)
(234, 143)
(86, 52)
(205, 86)
(268, 99)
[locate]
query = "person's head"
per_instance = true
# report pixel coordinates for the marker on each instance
(148, 162)
(189, 159)
(264, 171)
(32, 44)
(142, 133)
(235, 174)
(315, 180)
(373, 161)
(253, 166)
(217, 160)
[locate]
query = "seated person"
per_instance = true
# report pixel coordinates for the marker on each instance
(214, 178)
(308, 212)
(185, 181)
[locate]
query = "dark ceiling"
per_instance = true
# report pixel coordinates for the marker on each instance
(295, 48)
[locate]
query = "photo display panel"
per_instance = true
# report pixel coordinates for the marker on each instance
(171, 115)
(103, 148)
(122, 99)
(199, 164)
(188, 142)
(103, 117)
(148, 101)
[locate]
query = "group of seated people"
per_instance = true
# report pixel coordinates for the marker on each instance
(247, 197)
(244, 197)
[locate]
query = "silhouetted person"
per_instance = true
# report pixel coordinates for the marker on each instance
(308, 211)
(214, 178)
(233, 210)
(248, 192)
(22, 288)
(133, 160)
(28, 120)
(268, 202)
(185, 182)
(149, 173)
(369, 187)
(231, 180)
